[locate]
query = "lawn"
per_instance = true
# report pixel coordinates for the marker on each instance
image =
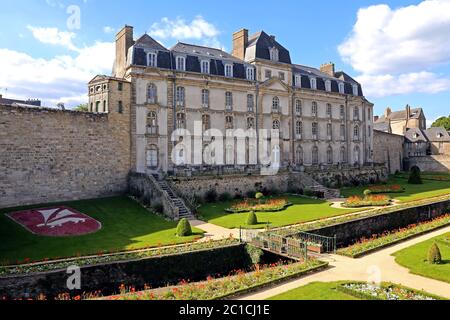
(315, 291)
(415, 259)
(302, 210)
(428, 189)
(125, 225)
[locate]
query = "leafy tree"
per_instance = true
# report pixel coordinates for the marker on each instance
(414, 176)
(184, 228)
(434, 254)
(82, 108)
(442, 122)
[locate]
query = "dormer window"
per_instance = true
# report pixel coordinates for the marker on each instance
(328, 85)
(355, 90)
(205, 66)
(274, 54)
(181, 63)
(313, 83)
(250, 73)
(341, 88)
(439, 135)
(229, 70)
(152, 60)
(298, 80)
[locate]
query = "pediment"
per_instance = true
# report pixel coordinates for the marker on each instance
(275, 84)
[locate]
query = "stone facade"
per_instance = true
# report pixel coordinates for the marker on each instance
(51, 155)
(434, 163)
(389, 150)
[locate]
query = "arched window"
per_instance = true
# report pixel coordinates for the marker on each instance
(276, 125)
(206, 125)
(298, 107)
(205, 98)
(275, 104)
(152, 93)
(229, 122)
(152, 157)
(356, 154)
(180, 97)
(250, 123)
(152, 123)
(313, 83)
(276, 155)
(314, 109)
(356, 132)
(298, 129)
(330, 155)
(343, 155)
(181, 121)
(315, 155)
(230, 154)
(299, 155)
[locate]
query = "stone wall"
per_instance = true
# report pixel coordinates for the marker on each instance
(430, 163)
(388, 149)
(50, 155)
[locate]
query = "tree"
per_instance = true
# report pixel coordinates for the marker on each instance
(414, 176)
(82, 107)
(184, 228)
(434, 254)
(442, 122)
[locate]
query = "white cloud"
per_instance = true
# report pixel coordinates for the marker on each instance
(404, 44)
(198, 29)
(108, 29)
(54, 37)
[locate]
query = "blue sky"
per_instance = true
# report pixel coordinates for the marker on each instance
(399, 50)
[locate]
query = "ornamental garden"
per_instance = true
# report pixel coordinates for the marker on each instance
(101, 235)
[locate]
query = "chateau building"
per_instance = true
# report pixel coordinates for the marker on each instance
(322, 115)
(398, 122)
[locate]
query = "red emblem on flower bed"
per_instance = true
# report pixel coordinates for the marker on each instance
(56, 221)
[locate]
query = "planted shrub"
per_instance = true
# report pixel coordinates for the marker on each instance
(225, 197)
(252, 220)
(414, 176)
(250, 194)
(434, 254)
(184, 228)
(259, 195)
(367, 193)
(158, 207)
(211, 195)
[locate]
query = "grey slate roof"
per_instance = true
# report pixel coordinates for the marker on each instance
(263, 42)
(401, 115)
(384, 126)
(415, 135)
(437, 134)
(10, 102)
(206, 52)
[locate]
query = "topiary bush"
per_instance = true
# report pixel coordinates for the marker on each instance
(211, 195)
(434, 254)
(184, 228)
(414, 176)
(367, 193)
(252, 219)
(259, 195)
(225, 197)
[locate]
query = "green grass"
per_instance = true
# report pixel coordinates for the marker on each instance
(302, 210)
(412, 192)
(315, 291)
(125, 226)
(415, 259)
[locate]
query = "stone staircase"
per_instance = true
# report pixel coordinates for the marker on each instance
(328, 193)
(183, 210)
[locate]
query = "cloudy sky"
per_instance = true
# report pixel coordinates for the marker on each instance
(399, 50)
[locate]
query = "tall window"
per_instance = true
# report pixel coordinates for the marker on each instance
(152, 123)
(356, 113)
(298, 129)
(328, 85)
(104, 105)
(205, 98)
(181, 121)
(343, 155)
(299, 155)
(313, 83)
(229, 122)
(356, 154)
(120, 86)
(250, 123)
(356, 133)
(250, 73)
(152, 157)
(314, 109)
(250, 103)
(229, 70)
(180, 98)
(228, 101)
(152, 60)
(342, 112)
(281, 75)
(341, 87)
(329, 130)
(275, 104)
(315, 129)
(355, 90)
(342, 131)
(329, 110)
(273, 54)
(97, 106)
(298, 107)
(298, 80)
(205, 66)
(120, 107)
(180, 63)
(276, 125)
(268, 74)
(315, 155)
(152, 93)
(206, 124)
(330, 155)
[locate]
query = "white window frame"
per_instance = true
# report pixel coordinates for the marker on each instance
(250, 73)
(341, 86)
(355, 90)
(274, 54)
(313, 83)
(298, 107)
(275, 104)
(204, 66)
(205, 98)
(328, 85)
(180, 97)
(155, 60)
(229, 70)
(180, 63)
(298, 80)
(229, 101)
(250, 102)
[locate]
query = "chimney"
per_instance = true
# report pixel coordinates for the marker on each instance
(240, 42)
(328, 68)
(387, 112)
(375, 118)
(408, 112)
(124, 40)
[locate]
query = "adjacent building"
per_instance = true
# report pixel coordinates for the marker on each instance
(398, 122)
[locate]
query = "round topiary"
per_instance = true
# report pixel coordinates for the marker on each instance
(367, 193)
(184, 228)
(414, 176)
(434, 254)
(259, 195)
(252, 219)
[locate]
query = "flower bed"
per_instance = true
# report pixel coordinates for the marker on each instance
(395, 188)
(213, 289)
(106, 258)
(262, 205)
(368, 201)
(386, 291)
(365, 246)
